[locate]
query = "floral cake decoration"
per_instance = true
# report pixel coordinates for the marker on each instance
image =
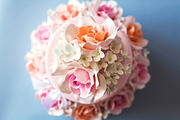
(87, 60)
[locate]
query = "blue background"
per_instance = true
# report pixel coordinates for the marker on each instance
(160, 19)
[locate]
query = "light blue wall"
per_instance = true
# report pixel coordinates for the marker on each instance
(160, 19)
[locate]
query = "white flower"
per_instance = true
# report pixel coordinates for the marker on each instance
(146, 52)
(97, 54)
(119, 60)
(114, 78)
(119, 69)
(85, 60)
(116, 46)
(127, 69)
(135, 53)
(107, 78)
(110, 69)
(110, 57)
(125, 54)
(102, 64)
(70, 52)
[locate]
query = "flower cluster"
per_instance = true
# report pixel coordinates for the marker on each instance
(86, 61)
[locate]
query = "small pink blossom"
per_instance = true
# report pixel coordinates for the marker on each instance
(42, 34)
(109, 9)
(118, 102)
(140, 75)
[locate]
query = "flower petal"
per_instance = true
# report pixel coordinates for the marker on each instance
(82, 75)
(71, 32)
(109, 26)
(102, 88)
(86, 20)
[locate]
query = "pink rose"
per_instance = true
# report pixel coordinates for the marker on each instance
(140, 75)
(81, 82)
(109, 9)
(42, 34)
(118, 102)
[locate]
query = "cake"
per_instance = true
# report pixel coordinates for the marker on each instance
(87, 60)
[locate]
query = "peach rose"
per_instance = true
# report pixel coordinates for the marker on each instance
(64, 12)
(89, 34)
(35, 65)
(135, 34)
(86, 112)
(94, 34)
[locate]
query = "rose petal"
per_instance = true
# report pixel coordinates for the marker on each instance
(102, 88)
(82, 75)
(71, 32)
(109, 26)
(86, 20)
(64, 85)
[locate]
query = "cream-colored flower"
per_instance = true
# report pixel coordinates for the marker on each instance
(85, 60)
(116, 46)
(110, 69)
(127, 69)
(135, 53)
(102, 64)
(113, 89)
(110, 57)
(107, 78)
(119, 69)
(119, 60)
(114, 78)
(70, 52)
(110, 89)
(97, 54)
(146, 52)
(125, 54)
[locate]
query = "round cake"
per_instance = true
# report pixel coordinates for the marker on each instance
(86, 61)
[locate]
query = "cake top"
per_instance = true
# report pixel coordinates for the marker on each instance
(88, 56)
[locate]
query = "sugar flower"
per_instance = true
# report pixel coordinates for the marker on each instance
(102, 64)
(43, 33)
(118, 102)
(119, 69)
(116, 46)
(110, 69)
(70, 52)
(89, 34)
(146, 52)
(135, 33)
(97, 54)
(140, 75)
(107, 78)
(87, 113)
(110, 57)
(114, 78)
(119, 60)
(105, 9)
(127, 69)
(85, 60)
(125, 54)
